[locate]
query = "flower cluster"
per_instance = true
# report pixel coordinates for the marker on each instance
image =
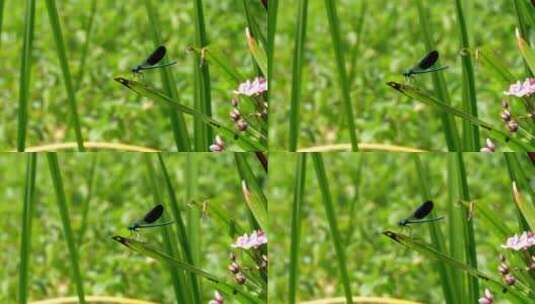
(507, 117)
(520, 242)
(218, 298)
(218, 145)
(489, 146)
(522, 89)
(487, 298)
(255, 240)
(252, 88)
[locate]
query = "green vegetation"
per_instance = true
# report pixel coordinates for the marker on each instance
(343, 56)
(344, 209)
(61, 59)
(62, 219)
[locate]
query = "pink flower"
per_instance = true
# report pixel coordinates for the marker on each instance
(520, 242)
(255, 240)
(520, 89)
(218, 298)
(218, 145)
(489, 146)
(487, 298)
(251, 88)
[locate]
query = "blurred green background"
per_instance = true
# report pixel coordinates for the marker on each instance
(391, 42)
(387, 192)
(121, 194)
(120, 39)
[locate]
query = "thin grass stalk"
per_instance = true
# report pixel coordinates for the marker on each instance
(355, 51)
(439, 82)
(273, 7)
(178, 124)
(2, 2)
(178, 278)
(468, 227)
(181, 229)
(193, 214)
(26, 235)
(25, 73)
(85, 48)
(91, 181)
(437, 238)
(323, 184)
(203, 101)
(252, 24)
(357, 181)
(455, 227)
(256, 201)
(470, 132)
(296, 227)
(64, 63)
(342, 74)
(55, 174)
(522, 24)
(297, 73)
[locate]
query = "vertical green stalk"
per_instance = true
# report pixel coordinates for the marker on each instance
(359, 29)
(194, 214)
(178, 123)
(182, 295)
(2, 2)
(91, 181)
(297, 73)
(448, 285)
(181, 229)
(296, 227)
(323, 184)
(439, 82)
(55, 174)
(470, 245)
(83, 57)
(64, 63)
(455, 228)
(203, 102)
(27, 214)
(273, 7)
(25, 73)
(470, 131)
(342, 74)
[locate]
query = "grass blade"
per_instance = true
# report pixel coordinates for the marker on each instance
(25, 73)
(2, 2)
(468, 227)
(526, 51)
(203, 101)
(498, 135)
(178, 124)
(255, 198)
(259, 54)
(242, 140)
(439, 83)
(178, 279)
(181, 227)
(470, 132)
(449, 287)
(83, 57)
(521, 293)
(273, 7)
(27, 215)
(342, 74)
(333, 227)
(67, 231)
(62, 55)
(193, 215)
(297, 73)
(91, 181)
(296, 227)
(230, 290)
